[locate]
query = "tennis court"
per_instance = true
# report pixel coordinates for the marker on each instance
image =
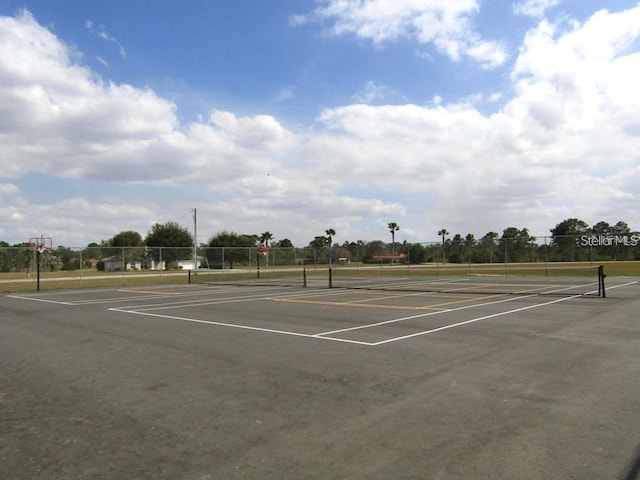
(455, 380)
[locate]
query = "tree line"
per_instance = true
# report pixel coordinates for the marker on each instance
(169, 242)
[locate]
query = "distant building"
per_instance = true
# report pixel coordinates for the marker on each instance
(388, 257)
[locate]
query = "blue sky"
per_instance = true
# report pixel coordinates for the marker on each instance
(295, 116)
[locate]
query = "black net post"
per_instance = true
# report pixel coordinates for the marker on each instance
(601, 276)
(330, 278)
(38, 269)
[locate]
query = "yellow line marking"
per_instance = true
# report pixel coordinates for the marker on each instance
(362, 302)
(341, 304)
(468, 300)
(395, 295)
(161, 292)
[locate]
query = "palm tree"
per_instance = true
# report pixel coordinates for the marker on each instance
(443, 233)
(393, 228)
(330, 233)
(265, 237)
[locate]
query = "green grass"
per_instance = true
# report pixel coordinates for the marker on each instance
(19, 282)
(622, 269)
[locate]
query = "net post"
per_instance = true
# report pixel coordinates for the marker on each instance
(601, 276)
(38, 269)
(330, 278)
(304, 277)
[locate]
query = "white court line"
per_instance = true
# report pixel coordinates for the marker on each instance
(243, 327)
(198, 293)
(324, 336)
(421, 315)
(88, 302)
(154, 296)
(473, 320)
(465, 307)
(611, 287)
(35, 299)
(218, 301)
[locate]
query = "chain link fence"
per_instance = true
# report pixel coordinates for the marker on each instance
(95, 266)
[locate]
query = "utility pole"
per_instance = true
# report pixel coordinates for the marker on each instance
(195, 241)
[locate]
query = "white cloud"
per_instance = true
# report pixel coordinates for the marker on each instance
(7, 189)
(488, 54)
(495, 97)
(534, 8)
(101, 32)
(75, 221)
(370, 93)
(579, 87)
(565, 145)
(102, 61)
(446, 25)
(68, 123)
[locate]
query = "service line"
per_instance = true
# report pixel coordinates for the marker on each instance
(474, 320)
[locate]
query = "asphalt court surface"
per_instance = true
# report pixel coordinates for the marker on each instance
(203, 382)
(359, 316)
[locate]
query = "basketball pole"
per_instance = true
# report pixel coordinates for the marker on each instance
(39, 245)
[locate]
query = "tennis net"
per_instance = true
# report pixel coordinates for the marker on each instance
(486, 279)
(283, 277)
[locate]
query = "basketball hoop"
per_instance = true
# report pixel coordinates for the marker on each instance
(40, 244)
